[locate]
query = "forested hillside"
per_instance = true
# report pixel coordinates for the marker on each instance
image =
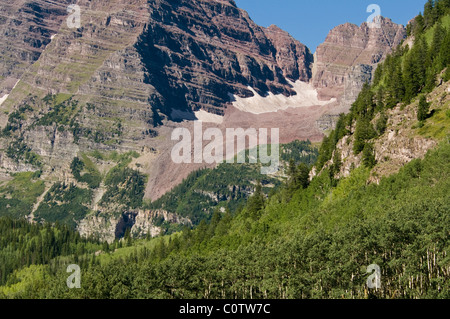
(228, 186)
(312, 237)
(315, 243)
(415, 68)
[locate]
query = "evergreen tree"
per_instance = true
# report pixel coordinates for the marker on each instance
(127, 237)
(415, 70)
(364, 104)
(337, 164)
(368, 156)
(161, 249)
(364, 131)
(435, 57)
(340, 130)
(418, 26)
(381, 124)
(443, 60)
(438, 38)
(303, 175)
(292, 170)
(105, 247)
(325, 152)
(423, 109)
(256, 201)
(430, 14)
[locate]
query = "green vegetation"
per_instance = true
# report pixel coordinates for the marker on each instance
(316, 243)
(329, 142)
(122, 159)
(18, 195)
(91, 175)
(62, 114)
(368, 156)
(229, 185)
(15, 120)
(18, 150)
(381, 124)
(304, 239)
(424, 108)
(202, 191)
(66, 204)
(300, 152)
(125, 187)
(404, 75)
(23, 244)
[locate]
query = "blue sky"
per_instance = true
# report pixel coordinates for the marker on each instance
(309, 21)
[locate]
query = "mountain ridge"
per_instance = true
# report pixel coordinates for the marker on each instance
(113, 86)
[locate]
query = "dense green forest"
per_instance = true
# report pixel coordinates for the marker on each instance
(305, 239)
(315, 242)
(23, 244)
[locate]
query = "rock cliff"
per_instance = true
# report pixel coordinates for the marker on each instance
(348, 46)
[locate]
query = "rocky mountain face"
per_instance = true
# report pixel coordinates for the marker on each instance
(348, 58)
(26, 27)
(140, 222)
(197, 53)
(134, 70)
(349, 55)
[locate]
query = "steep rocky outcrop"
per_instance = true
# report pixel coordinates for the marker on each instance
(199, 52)
(348, 46)
(348, 58)
(403, 140)
(293, 57)
(141, 223)
(146, 222)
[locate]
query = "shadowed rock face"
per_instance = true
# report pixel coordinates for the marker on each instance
(185, 54)
(198, 52)
(292, 56)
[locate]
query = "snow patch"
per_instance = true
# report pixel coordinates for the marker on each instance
(4, 97)
(207, 117)
(257, 104)
(201, 115)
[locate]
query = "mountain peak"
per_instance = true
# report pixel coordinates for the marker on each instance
(345, 49)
